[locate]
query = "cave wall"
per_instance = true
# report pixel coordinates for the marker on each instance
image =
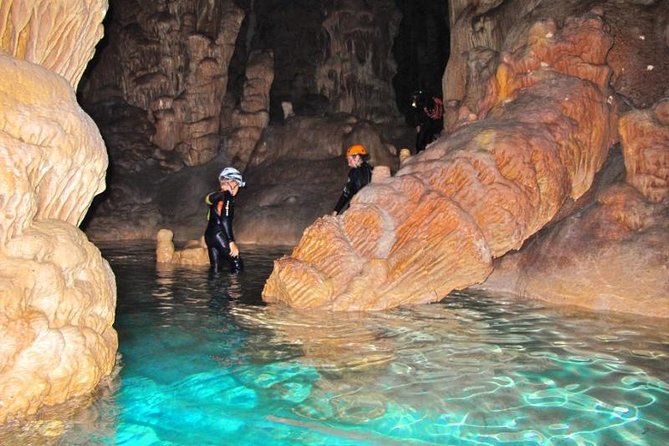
(168, 60)
(357, 64)
(57, 294)
(170, 92)
(638, 27)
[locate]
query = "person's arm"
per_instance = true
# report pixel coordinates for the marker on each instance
(227, 211)
(344, 198)
(213, 197)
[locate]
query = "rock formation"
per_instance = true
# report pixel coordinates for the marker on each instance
(194, 253)
(57, 294)
(357, 59)
(170, 60)
(437, 225)
(614, 254)
(252, 116)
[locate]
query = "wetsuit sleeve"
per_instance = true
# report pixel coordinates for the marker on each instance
(213, 198)
(228, 214)
(346, 194)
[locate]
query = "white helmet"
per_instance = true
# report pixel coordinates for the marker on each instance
(230, 173)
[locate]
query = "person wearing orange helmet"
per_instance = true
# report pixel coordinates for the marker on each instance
(358, 177)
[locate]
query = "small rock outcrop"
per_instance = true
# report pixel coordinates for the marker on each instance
(193, 253)
(57, 294)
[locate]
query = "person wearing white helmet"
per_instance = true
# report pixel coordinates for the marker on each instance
(219, 236)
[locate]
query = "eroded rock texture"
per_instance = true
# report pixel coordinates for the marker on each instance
(437, 225)
(57, 294)
(170, 60)
(252, 115)
(614, 254)
(638, 58)
(357, 64)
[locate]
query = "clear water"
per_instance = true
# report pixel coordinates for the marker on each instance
(202, 362)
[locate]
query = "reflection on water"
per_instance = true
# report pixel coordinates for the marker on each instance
(203, 362)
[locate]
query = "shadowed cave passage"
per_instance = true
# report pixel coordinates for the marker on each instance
(420, 49)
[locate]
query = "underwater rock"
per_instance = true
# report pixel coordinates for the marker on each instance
(57, 294)
(544, 129)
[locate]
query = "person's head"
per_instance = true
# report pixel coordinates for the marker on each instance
(231, 180)
(418, 99)
(355, 155)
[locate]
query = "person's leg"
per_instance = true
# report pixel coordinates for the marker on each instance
(215, 259)
(218, 249)
(421, 139)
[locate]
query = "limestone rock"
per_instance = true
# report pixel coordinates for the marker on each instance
(252, 116)
(357, 64)
(57, 294)
(613, 256)
(638, 60)
(59, 299)
(170, 62)
(59, 35)
(645, 139)
(194, 253)
(438, 223)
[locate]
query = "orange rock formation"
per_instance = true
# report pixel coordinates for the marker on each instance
(613, 255)
(543, 131)
(57, 294)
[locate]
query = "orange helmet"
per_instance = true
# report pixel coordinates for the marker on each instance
(356, 149)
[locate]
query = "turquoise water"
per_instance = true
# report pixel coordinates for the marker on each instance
(202, 362)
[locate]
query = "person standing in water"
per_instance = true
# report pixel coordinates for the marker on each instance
(359, 176)
(219, 236)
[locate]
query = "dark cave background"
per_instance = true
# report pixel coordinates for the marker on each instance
(421, 50)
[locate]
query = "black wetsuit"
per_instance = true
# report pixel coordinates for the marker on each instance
(218, 234)
(358, 177)
(429, 112)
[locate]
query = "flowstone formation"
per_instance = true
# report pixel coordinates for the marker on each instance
(57, 294)
(613, 255)
(541, 133)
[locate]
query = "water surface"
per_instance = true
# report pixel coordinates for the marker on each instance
(203, 362)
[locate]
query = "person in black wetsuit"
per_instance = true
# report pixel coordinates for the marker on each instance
(219, 236)
(358, 177)
(429, 113)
